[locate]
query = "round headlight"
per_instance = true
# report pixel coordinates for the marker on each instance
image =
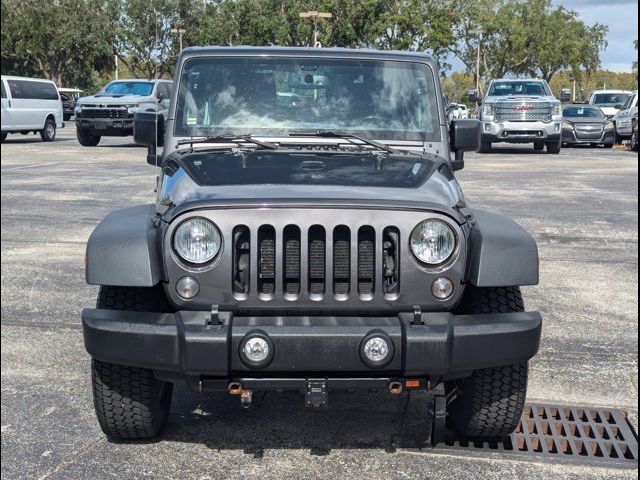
(197, 240)
(433, 242)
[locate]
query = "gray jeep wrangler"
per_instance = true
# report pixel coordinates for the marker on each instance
(309, 234)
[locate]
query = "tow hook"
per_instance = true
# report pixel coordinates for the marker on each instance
(395, 388)
(246, 396)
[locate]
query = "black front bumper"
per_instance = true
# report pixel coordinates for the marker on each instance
(427, 345)
(121, 127)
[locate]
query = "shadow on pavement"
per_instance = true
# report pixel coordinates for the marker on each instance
(353, 420)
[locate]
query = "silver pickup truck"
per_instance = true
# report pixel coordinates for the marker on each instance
(109, 113)
(520, 111)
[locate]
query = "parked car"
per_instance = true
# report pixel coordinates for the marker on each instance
(69, 97)
(587, 125)
(109, 113)
(309, 249)
(463, 112)
(520, 111)
(30, 105)
(626, 118)
(610, 101)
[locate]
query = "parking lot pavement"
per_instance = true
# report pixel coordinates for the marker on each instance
(581, 206)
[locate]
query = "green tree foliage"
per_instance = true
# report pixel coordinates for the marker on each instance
(598, 79)
(456, 86)
(525, 37)
(65, 40)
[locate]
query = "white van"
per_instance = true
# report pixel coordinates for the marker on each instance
(30, 105)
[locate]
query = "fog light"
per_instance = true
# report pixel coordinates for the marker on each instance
(187, 287)
(376, 349)
(442, 288)
(256, 350)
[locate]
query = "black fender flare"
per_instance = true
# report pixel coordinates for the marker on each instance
(123, 249)
(501, 252)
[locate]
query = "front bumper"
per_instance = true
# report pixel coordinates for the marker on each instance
(121, 127)
(570, 137)
(427, 345)
(521, 132)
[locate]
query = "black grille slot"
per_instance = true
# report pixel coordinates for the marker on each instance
(341, 259)
(366, 260)
(391, 260)
(266, 259)
(241, 259)
(105, 113)
(317, 255)
(291, 243)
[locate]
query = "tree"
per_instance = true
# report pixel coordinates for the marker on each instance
(456, 86)
(525, 38)
(55, 40)
(144, 42)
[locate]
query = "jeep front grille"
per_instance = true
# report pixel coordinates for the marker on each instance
(523, 112)
(326, 262)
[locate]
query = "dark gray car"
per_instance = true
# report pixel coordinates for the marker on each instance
(587, 125)
(309, 234)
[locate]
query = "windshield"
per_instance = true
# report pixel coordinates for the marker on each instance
(610, 99)
(499, 89)
(583, 112)
(272, 96)
(128, 88)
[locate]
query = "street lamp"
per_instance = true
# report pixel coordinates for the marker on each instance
(479, 32)
(315, 15)
(179, 31)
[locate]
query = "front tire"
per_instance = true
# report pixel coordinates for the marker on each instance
(490, 402)
(634, 139)
(538, 146)
(86, 138)
(4, 137)
(130, 403)
(48, 133)
(554, 148)
(485, 147)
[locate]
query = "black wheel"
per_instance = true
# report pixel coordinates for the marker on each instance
(48, 133)
(554, 147)
(538, 146)
(608, 145)
(489, 403)
(4, 137)
(86, 138)
(634, 139)
(130, 402)
(485, 147)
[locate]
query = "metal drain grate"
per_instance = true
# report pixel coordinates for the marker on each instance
(560, 432)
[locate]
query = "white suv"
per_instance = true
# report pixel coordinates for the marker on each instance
(609, 101)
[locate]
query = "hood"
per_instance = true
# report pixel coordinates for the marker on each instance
(520, 98)
(110, 99)
(585, 120)
(609, 111)
(263, 179)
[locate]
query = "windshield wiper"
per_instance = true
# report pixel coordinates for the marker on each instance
(237, 139)
(349, 137)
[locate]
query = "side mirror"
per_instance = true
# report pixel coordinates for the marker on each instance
(474, 96)
(148, 129)
(464, 136)
(160, 96)
(566, 95)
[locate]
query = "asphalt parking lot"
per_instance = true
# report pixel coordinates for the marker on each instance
(582, 207)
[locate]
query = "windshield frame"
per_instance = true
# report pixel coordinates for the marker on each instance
(383, 136)
(543, 84)
(137, 82)
(602, 116)
(610, 104)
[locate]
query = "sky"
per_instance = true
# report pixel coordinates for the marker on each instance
(621, 16)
